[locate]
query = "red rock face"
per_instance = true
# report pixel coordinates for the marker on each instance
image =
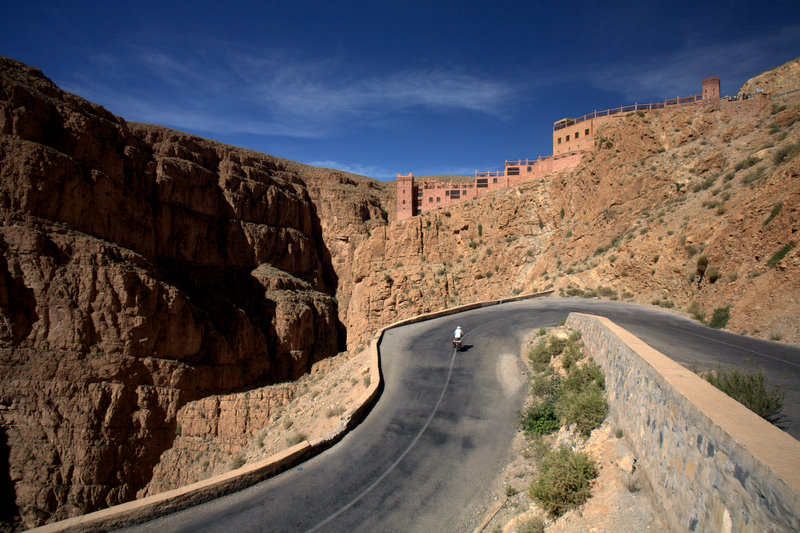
(141, 268)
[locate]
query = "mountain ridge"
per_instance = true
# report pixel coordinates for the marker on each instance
(146, 272)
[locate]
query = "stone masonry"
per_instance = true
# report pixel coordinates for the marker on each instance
(712, 464)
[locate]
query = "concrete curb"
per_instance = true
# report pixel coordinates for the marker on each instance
(144, 509)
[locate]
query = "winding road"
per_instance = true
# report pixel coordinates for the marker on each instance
(427, 457)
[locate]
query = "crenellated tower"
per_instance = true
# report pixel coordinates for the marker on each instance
(711, 89)
(405, 197)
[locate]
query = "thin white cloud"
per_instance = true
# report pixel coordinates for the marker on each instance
(680, 73)
(278, 94)
(355, 168)
(384, 173)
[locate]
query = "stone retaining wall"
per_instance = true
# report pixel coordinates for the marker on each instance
(713, 465)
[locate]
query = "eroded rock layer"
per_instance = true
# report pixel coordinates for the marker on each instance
(141, 268)
(154, 284)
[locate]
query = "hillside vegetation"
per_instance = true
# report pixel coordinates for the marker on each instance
(158, 288)
(694, 209)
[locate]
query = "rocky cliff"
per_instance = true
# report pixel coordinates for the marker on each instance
(775, 81)
(141, 269)
(694, 209)
(153, 284)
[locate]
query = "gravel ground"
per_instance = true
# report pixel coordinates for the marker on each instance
(328, 392)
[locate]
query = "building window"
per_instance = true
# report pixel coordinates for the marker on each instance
(482, 183)
(567, 138)
(455, 195)
(559, 140)
(494, 180)
(430, 200)
(586, 131)
(512, 171)
(438, 199)
(529, 169)
(577, 134)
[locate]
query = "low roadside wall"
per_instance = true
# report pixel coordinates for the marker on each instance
(163, 503)
(713, 465)
(167, 502)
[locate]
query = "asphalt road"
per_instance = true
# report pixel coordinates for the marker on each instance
(428, 453)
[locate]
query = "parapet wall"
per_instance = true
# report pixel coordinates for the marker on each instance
(713, 465)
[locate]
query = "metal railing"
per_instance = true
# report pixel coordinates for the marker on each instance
(680, 101)
(527, 162)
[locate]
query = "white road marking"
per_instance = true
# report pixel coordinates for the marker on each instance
(744, 349)
(397, 461)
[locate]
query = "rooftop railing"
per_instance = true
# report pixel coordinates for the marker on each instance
(446, 185)
(527, 162)
(680, 101)
(490, 174)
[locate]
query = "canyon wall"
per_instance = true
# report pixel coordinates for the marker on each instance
(145, 272)
(141, 269)
(661, 190)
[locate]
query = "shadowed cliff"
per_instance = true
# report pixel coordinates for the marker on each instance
(141, 268)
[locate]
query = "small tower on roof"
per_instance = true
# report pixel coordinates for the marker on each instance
(405, 196)
(711, 89)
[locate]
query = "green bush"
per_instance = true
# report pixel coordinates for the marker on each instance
(586, 409)
(785, 153)
(697, 313)
(534, 524)
(666, 304)
(540, 419)
(705, 184)
(564, 481)
(583, 376)
(780, 254)
(578, 398)
(750, 389)
(702, 265)
(539, 356)
(720, 317)
(777, 109)
(775, 210)
(545, 385)
(295, 438)
(712, 274)
(572, 354)
(753, 176)
(747, 163)
(237, 462)
(544, 351)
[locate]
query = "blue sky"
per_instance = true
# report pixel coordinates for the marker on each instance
(381, 87)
